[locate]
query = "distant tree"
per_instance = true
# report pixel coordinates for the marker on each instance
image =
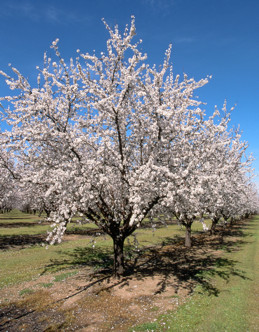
(227, 171)
(7, 183)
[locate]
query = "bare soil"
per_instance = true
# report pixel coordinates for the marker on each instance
(160, 279)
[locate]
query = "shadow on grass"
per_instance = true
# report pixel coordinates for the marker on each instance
(20, 241)
(176, 265)
(189, 269)
(18, 224)
(4, 217)
(84, 231)
(100, 259)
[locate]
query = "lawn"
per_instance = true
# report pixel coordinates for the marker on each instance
(235, 307)
(24, 255)
(210, 287)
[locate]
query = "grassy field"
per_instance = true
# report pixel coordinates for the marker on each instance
(222, 276)
(235, 307)
(24, 256)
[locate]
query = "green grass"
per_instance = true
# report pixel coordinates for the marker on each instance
(17, 223)
(19, 265)
(235, 308)
(46, 284)
(25, 291)
(64, 276)
(145, 327)
(27, 264)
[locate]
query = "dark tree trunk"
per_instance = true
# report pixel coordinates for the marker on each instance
(118, 264)
(47, 212)
(213, 225)
(226, 217)
(188, 230)
(231, 221)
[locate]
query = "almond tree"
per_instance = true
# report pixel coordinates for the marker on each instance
(197, 170)
(212, 169)
(101, 133)
(226, 170)
(6, 191)
(7, 183)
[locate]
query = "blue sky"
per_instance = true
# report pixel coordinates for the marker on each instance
(209, 37)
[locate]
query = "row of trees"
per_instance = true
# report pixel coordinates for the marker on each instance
(113, 139)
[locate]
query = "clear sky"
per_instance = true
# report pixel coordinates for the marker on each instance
(209, 37)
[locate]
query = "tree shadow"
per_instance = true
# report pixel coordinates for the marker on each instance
(84, 231)
(2, 217)
(176, 265)
(100, 259)
(18, 224)
(20, 241)
(188, 267)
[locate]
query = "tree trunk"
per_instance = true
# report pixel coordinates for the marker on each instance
(213, 225)
(188, 230)
(231, 221)
(47, 212)
(118, 264)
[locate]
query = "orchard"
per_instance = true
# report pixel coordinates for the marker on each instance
(116, 140)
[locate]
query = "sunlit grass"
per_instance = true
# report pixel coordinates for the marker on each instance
(29, 263)
(18, 265)
(235, 308)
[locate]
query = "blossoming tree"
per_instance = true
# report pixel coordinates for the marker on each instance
(100, 133)
(7, 183)
(107, 136)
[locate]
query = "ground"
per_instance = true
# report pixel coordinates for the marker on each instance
(159, 281)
